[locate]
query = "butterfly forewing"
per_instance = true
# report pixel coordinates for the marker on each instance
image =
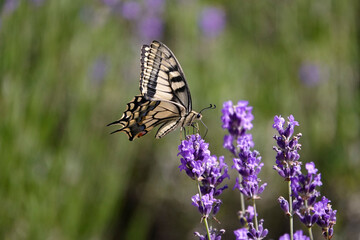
(162, 77)
(142, 115)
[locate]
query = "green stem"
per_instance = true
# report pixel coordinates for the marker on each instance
(310, 233)
(242, 199)
(309, 228)
(291, 213)
(205, 218)
(255, 216)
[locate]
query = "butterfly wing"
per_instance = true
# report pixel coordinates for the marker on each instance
(167, 127)
(162, 78)
(142, 115)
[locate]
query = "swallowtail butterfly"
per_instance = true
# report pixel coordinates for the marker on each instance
(165, 96)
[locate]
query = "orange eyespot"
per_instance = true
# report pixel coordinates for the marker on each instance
(140, 134)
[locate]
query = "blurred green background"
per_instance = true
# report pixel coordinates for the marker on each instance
(67, 68)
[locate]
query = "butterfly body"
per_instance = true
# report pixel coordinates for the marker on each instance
(165, 97)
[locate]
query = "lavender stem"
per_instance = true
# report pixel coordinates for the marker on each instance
(255, 215)
(242, 199)
(291, 213)
(205, 218)
(310, 233)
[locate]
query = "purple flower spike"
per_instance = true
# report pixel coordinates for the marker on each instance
(208, 170)
(9, 6)
(287, 156)
(249, 167)
(195, 153)
(304, 185)
(130, 10)
(305, 194)
(200, 165)
(237, 119)
(151, 27)
(212, 21)
(309, 74)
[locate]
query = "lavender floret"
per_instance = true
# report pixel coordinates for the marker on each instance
(257, 234)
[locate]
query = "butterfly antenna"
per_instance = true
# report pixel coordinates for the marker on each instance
(210, 107)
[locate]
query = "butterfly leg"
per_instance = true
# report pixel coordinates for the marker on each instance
(183, 130)
(196, 128)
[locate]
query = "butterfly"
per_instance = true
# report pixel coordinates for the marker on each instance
(165, 97)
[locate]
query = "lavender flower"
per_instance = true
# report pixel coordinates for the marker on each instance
(327, 217)
(237, 120)
(201, 166)
(206, 203)
(284, 204)
(249, 166)
(208, 170)
(9, 6)
(130, 10)
(150, 27)
(287, 164)
(146, 16)
(241, 234)
(214, 234)
(212, 21)
(247, 216)
(309, 74)
(257, 234)
(303, 186)
(194, 151)
(298, 235)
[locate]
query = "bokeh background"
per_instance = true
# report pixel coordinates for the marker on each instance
(67, 68)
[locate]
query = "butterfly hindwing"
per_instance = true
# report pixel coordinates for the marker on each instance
(142, 115)
(167, 127)
(162, 77)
